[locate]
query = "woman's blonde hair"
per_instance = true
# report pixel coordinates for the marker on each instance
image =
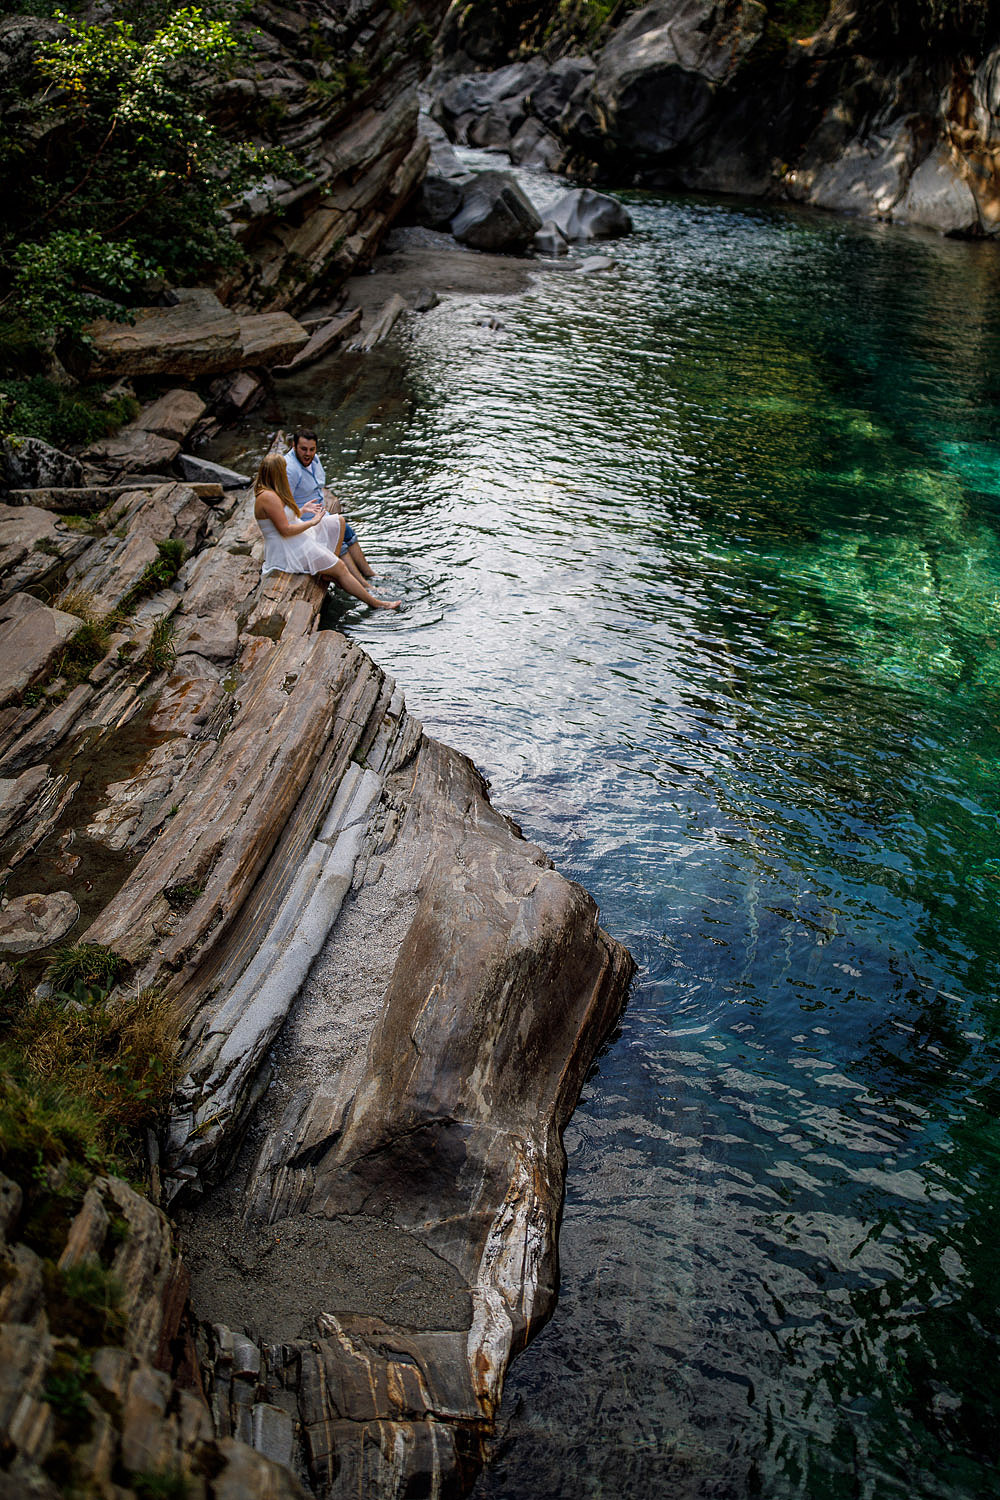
(272, 475)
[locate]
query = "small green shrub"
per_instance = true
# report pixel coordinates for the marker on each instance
(157, 575)
(183, 895)
(169, 1485)
(83, 1081)
(66, 1390)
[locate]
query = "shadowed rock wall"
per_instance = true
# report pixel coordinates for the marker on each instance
(885, 111)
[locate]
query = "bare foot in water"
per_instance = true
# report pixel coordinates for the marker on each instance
(386, 603)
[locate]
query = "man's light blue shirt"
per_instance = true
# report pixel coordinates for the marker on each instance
(305, 483)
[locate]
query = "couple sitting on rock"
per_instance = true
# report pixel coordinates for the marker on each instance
(300, 534)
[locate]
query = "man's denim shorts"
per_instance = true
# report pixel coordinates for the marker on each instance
(350, 537)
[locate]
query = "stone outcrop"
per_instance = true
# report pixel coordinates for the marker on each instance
(197, 336)
(217, 810)
(866, 116)
(119, 1406)
(495, 215)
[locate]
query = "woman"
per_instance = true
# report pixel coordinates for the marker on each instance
(308, 544)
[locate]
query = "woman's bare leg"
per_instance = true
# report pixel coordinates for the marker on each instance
(343, 577)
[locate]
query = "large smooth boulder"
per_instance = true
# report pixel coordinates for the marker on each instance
(585, 215)
(473, 94)
(496, 215)
(553, 91)
(867, 178)
(652, 93)
(534, 146)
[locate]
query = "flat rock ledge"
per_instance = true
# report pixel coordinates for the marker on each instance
(223, 816)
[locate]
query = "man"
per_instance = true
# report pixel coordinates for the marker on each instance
(307, 479)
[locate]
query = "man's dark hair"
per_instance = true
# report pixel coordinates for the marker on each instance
(304, 433)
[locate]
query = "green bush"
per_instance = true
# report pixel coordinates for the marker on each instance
(37, 407)
(135, 174)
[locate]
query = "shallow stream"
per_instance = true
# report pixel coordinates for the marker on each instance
(701, 563)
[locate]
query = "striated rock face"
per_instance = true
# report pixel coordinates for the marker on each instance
(866, 116)
(222, 813)
(336, 86)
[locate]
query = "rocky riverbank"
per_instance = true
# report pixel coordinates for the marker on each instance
(224, 795)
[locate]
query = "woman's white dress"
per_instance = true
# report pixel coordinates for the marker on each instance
(312, 551)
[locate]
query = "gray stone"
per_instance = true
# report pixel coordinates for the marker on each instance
(382, 324)
(496, 215)
(938, 198)
(135, 449)
(322, 340)
(173, 415)
(551, 94)
(550, 241)
(868, 178)
(30, 464)
(28, 923)
(31, 637)
(585, 215)
(438, 201)
(204, 470)
(534, 146)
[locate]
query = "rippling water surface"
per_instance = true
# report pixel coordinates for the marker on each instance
(701, 563)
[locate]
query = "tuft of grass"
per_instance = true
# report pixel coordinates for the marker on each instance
(159, 655)
(169, 1484)
(88, 964)
(157, 575)
(84, 1302)
(79, 602)
(183, 895)
(82, 1081)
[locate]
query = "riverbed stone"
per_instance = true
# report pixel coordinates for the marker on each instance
(586, 215)
(202, 469)
(534, 146)
(28, 463)
(496, 214)
(550, 240)
(28, 923)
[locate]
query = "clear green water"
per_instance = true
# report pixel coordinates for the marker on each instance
(701, 562)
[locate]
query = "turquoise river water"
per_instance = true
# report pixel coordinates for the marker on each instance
(701, 565)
